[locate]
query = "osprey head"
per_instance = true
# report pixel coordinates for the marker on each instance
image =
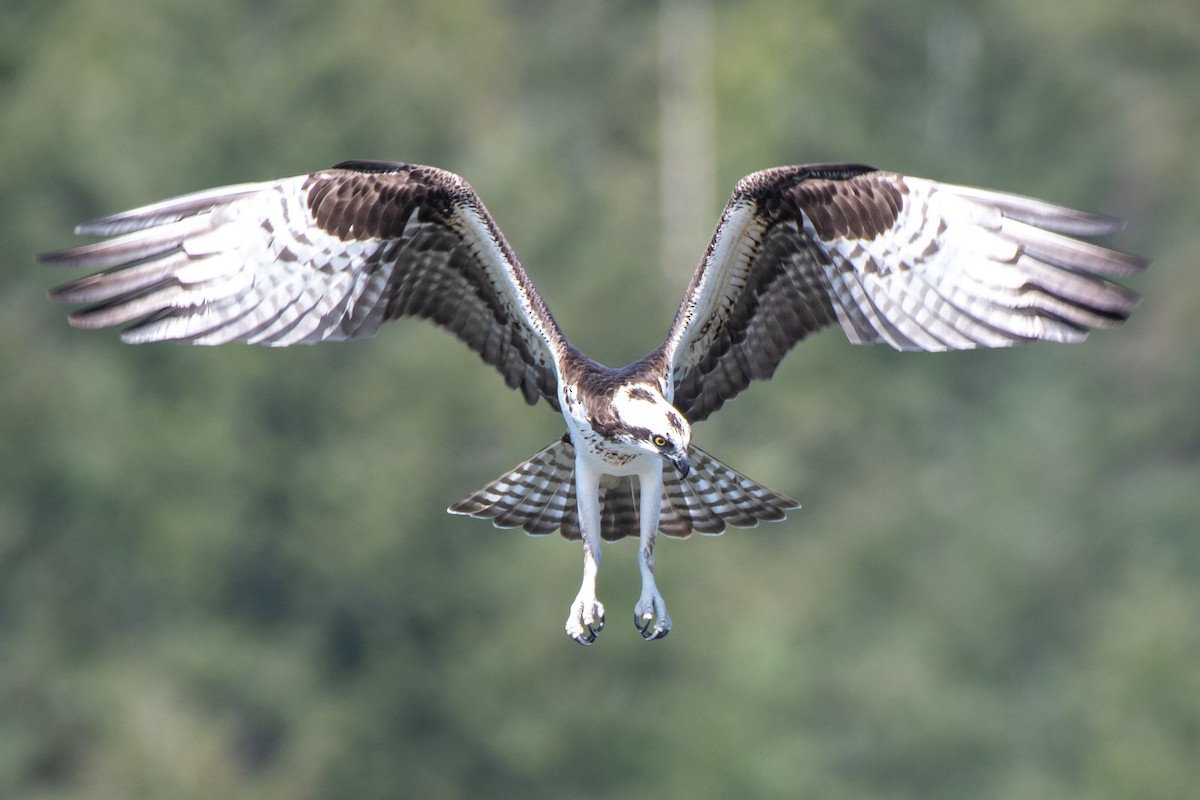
(650, 423)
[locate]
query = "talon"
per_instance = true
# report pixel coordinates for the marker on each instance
(586, 620)
(650, 617)
(651, 634)
(659, 632)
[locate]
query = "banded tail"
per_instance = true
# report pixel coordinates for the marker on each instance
(538, 496)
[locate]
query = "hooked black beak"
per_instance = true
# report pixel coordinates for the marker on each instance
(680, 462)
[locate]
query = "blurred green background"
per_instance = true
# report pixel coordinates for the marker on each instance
(226, 573)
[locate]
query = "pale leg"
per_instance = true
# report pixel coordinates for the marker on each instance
(650, 614)
(586, 618)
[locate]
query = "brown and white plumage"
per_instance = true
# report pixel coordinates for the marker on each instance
(917, 264)
(909, 262)
(328, 256)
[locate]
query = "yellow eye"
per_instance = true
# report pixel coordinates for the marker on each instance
(660, 441)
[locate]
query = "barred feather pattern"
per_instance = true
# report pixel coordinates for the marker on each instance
(322, 257)
(538, 496)
(912, 263)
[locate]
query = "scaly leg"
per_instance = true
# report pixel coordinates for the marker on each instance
(586, 618)
(650, 614)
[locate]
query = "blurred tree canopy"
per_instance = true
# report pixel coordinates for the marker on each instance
(227, 573)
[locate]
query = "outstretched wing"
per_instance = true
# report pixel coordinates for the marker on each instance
(917, 264)
(326, 256)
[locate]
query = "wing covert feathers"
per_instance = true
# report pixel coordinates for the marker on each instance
(912, 263)
(538, 496)
(327, 256)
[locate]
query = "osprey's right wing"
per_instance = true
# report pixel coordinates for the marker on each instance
(326, 256)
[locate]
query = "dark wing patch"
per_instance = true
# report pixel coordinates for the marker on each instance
(837, 200)
(913, 263)
(367, 200)
(327, 256)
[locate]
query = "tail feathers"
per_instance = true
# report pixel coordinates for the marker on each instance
(538, 496)
(714, 495)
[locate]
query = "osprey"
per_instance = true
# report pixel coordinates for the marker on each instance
(889, 258)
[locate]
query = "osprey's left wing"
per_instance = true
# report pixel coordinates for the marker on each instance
(917, 264)
(331, 255)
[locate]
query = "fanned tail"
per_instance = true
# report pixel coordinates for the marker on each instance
(538, 496)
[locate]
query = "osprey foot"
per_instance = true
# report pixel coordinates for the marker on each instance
(651, 617)
(586, 619)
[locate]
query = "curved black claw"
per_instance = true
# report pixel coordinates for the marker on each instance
(593, 630)
(648, 633)
(585, 632)
(650, 616)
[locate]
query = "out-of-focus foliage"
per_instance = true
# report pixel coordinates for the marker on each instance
(226, 572)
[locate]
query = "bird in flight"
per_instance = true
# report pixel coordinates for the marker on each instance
(913, 263)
